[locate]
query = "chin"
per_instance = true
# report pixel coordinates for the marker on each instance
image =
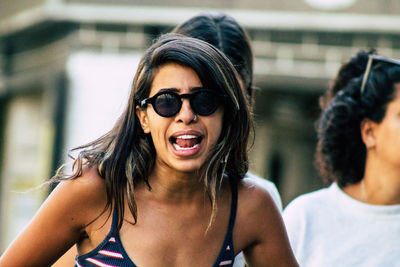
(187, 167)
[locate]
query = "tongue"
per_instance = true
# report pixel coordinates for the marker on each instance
(186, 142)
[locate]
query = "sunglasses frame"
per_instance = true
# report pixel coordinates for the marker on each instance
(367, 71)
(152, 100)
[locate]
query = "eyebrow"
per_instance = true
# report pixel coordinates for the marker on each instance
(175, 90)
(198, 88)
(167, 90)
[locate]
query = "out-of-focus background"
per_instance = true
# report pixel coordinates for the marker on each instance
(66, 67)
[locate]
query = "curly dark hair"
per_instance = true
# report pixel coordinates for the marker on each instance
(341, 152)
(349, 70)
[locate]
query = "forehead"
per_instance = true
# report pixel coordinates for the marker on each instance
(176, 76)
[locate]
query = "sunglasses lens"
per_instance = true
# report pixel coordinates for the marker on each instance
(167, 104)
(204, 103)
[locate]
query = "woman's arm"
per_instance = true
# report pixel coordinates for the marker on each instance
(266, 239)
(59, 223)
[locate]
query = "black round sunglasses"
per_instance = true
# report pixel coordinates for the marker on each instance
(167, 103)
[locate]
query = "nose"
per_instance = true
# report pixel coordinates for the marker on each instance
(186, 114)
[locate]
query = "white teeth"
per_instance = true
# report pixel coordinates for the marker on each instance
(186, 136)
(177, 147)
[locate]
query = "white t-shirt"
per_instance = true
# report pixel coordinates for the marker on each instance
(273, 191)
(329, 228)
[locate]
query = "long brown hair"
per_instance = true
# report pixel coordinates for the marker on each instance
(125, 156)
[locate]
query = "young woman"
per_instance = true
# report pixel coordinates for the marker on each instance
(164, 187)
(354, 222)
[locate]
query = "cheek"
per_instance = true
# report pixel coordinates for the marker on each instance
(394, 137)
(216, 127)
(389, 137)
(158, 129)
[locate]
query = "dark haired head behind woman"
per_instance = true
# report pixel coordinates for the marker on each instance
(223, 32)
(164, 187)
(359, 151)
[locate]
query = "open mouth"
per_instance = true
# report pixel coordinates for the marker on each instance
(185, 142)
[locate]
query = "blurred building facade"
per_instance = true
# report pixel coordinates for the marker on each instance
(66, 68)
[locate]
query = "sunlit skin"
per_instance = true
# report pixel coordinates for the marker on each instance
(183, 80)
(381, 183)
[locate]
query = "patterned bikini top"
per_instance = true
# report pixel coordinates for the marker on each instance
(111, 253)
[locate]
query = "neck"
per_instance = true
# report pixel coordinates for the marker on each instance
(175, 186)
(380, 185)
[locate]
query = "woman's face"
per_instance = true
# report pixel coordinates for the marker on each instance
(184, 141)
(387, 132)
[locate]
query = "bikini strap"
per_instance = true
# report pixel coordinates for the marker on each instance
(114, 222)
(227, 253)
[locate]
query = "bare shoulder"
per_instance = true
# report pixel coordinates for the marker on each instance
(266, 184)
(257, 213)
(259, 230)
(89, 184)
(254, 196)
(85, 195)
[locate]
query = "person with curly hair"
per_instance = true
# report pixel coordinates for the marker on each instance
(164, 187)
(355, 221)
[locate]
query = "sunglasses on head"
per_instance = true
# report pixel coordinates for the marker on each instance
(203, 102)
(377, 58)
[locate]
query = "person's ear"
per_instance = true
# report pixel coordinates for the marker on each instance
(144, 121)
(368, 129)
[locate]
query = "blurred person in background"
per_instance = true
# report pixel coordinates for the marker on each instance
(354, 222)
(165, 186)
(225, 33)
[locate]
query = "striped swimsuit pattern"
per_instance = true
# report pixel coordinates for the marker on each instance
(111, 253)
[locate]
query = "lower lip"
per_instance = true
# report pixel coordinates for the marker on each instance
(187, 152)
